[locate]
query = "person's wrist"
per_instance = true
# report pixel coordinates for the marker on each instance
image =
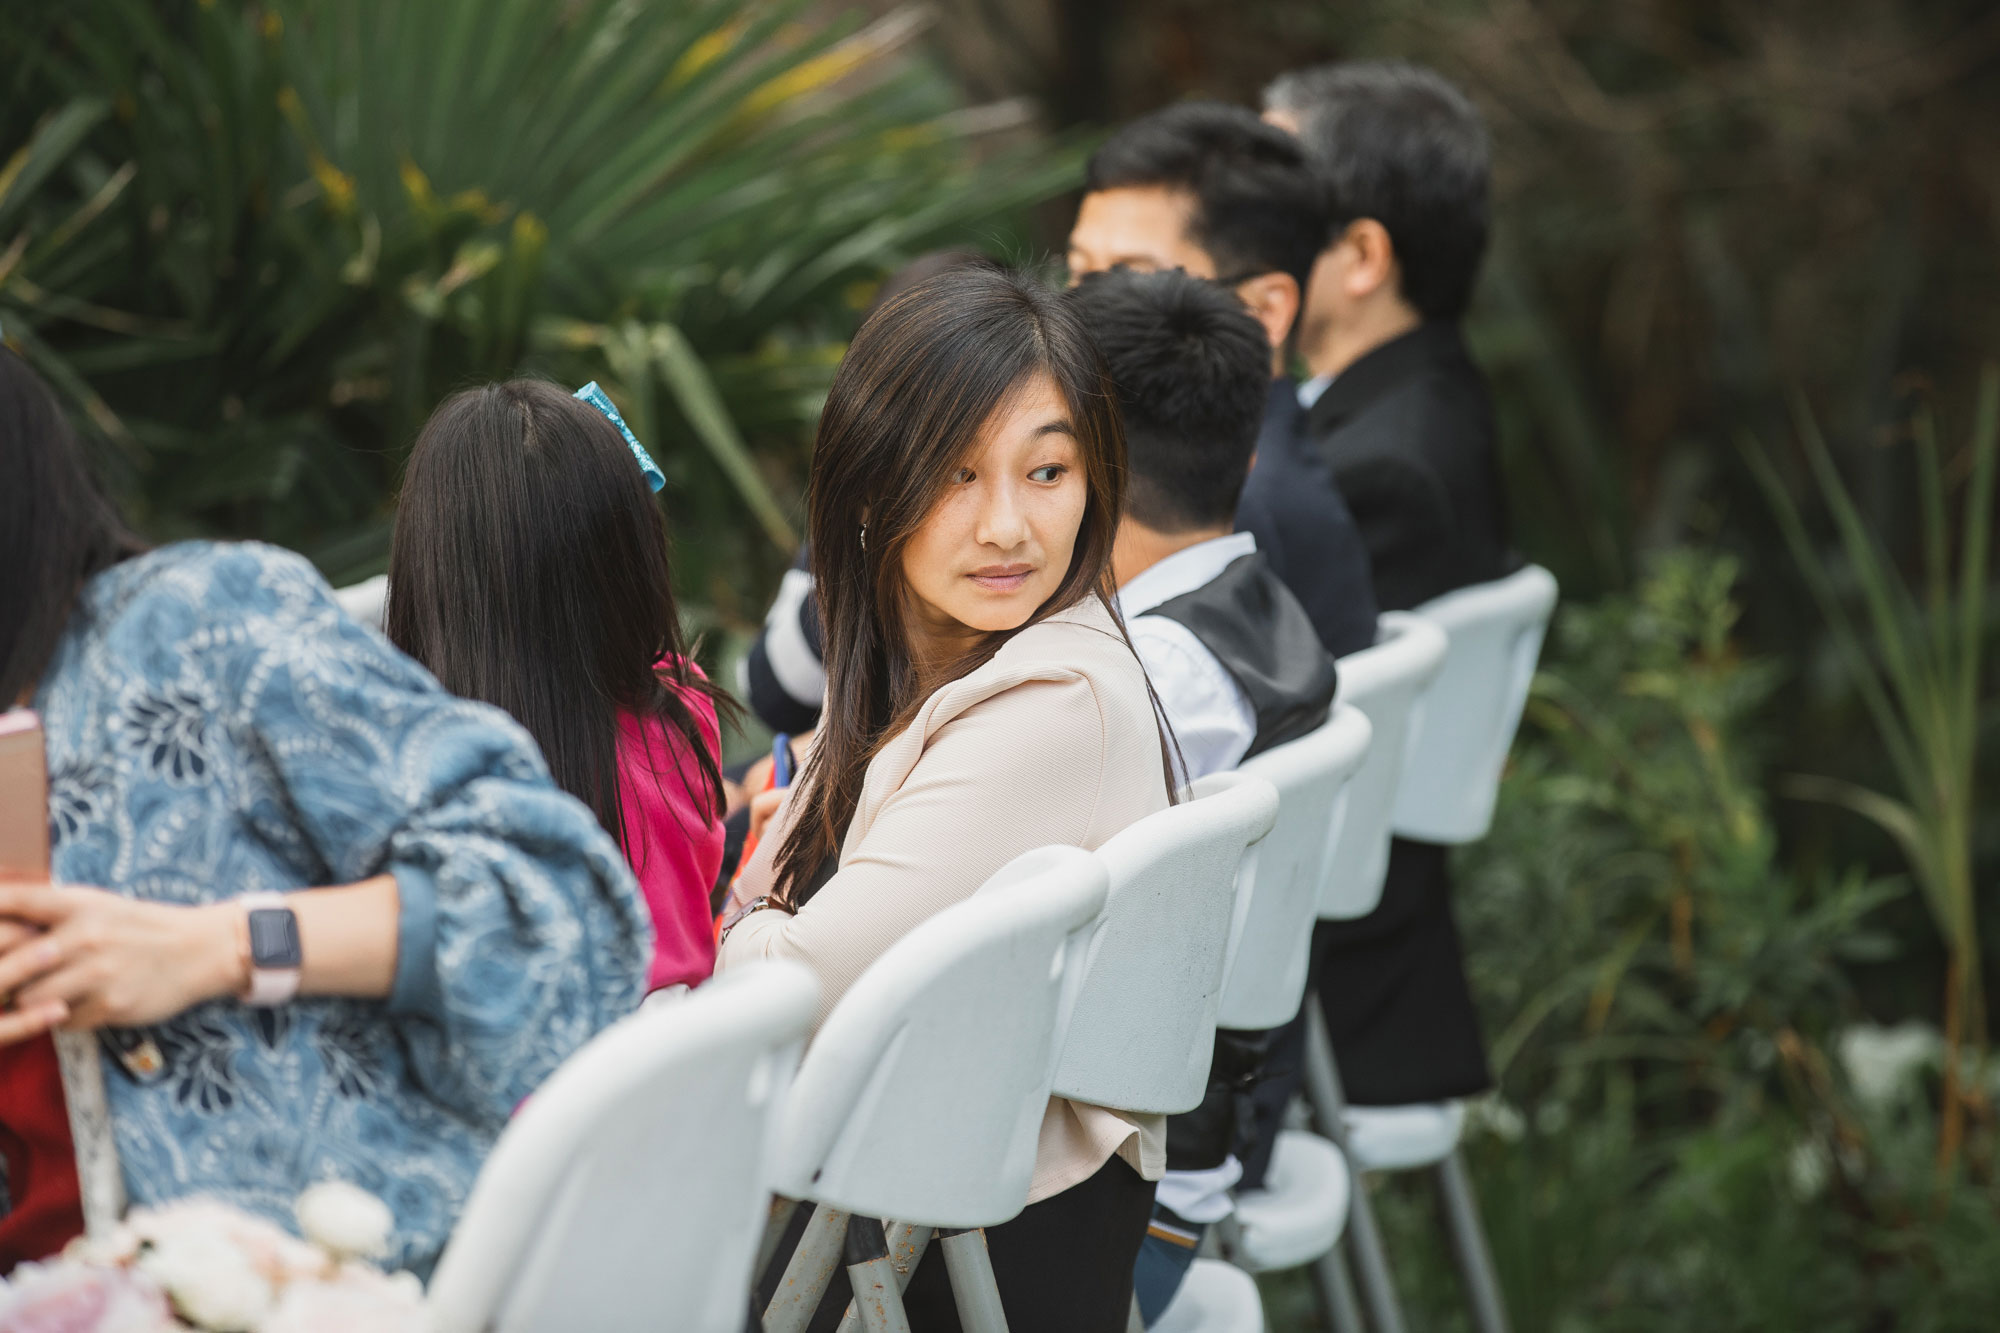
(227, 937)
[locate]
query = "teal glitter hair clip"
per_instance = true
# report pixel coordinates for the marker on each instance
(600, 400)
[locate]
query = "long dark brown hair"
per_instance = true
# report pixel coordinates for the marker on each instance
(529, 570)
(926, 371)
(57, 530)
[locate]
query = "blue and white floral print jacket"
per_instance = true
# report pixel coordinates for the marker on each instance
(216, 726)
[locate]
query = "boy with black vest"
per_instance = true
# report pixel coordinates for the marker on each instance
(1234, 658)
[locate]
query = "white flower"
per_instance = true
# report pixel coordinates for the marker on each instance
(1808, 1166)
(1882, 1062)
(115, 1248)
(345, 1220)
(61, 1295)
(1497, 1116)
(274, 1252)
(213, 1282)
(356, 1297)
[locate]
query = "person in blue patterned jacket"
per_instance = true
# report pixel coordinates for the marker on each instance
(339, 923)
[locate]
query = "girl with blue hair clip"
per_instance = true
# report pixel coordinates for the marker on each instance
(529, 570)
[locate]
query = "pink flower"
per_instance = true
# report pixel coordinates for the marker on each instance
(64, 1298)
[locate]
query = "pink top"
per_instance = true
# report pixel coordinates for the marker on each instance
(674, 848)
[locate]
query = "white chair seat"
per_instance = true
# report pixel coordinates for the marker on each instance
(1214, 1298)
(364, 600)
(1300, 1212)
(1404, 1138)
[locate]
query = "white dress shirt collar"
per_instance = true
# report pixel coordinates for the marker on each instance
(1310, 391)
(1182, 572)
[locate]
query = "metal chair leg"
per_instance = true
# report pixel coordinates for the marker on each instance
(877, 1294)
(807, 1272)
(1363, 1239)
(774, 1234)
(973, 1288)
(1468, 1245)
(907, 1244)
(1336, 1293)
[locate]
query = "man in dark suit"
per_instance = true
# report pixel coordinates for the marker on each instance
(1400, 416)
(1210, 189)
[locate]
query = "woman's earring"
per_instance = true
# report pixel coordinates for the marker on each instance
(864, 538)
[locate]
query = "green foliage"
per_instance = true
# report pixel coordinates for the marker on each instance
(1646, 857)
(1676, 1142)
(1918, 672)
(332, 214)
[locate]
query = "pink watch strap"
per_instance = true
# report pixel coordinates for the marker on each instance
(269, 985)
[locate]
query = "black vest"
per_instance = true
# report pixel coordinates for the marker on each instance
(1267, 644)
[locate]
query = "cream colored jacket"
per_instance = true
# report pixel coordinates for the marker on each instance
(1052, 741)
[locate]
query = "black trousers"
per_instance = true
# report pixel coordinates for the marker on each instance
(1392, 986)
(1063, 1266)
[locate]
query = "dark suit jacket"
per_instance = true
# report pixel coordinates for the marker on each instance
(1407, 432)
(1292, 507)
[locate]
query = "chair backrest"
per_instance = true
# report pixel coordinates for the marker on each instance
(1143, 1025)
(1388, 683)
(364, 600)
(636, 1175)
(1279, 899)
(1452, 777)
(921, 1097)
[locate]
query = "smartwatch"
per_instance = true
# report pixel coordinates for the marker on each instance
(275, 957)
(729, 922)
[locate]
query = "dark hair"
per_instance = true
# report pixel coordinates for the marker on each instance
(920, 270)
(1399, 144)
(57, 529)
(1258, 207)
(529, 570)
(924, 374)
(1192, 370)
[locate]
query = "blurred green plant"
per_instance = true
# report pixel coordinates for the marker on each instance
(1670, 925)
(1917, 666)
(46, 250)
(336, 213)
(1681, 1137)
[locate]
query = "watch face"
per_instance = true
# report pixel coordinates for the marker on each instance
(274, 939)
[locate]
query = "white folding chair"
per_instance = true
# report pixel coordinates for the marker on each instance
(365, 600)
(1447, 792)
(921, 1098)
(1142, 1030)
(1388, 683)
(629, 1192)
(1214, 1297)
(1297, 1216)
(1452, 777)
(1271, 944)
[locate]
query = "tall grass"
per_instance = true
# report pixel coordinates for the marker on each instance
(1915, 657)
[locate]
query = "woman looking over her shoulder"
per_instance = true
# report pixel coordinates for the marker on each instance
(529, 570)
(221, 739)
(982, 701)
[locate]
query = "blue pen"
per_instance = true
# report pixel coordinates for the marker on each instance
(781, 760)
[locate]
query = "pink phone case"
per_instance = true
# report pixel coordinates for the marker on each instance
(24, 798)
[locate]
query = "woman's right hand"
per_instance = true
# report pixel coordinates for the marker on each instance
(20, 1026)
(88, 958)
(762, 807)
